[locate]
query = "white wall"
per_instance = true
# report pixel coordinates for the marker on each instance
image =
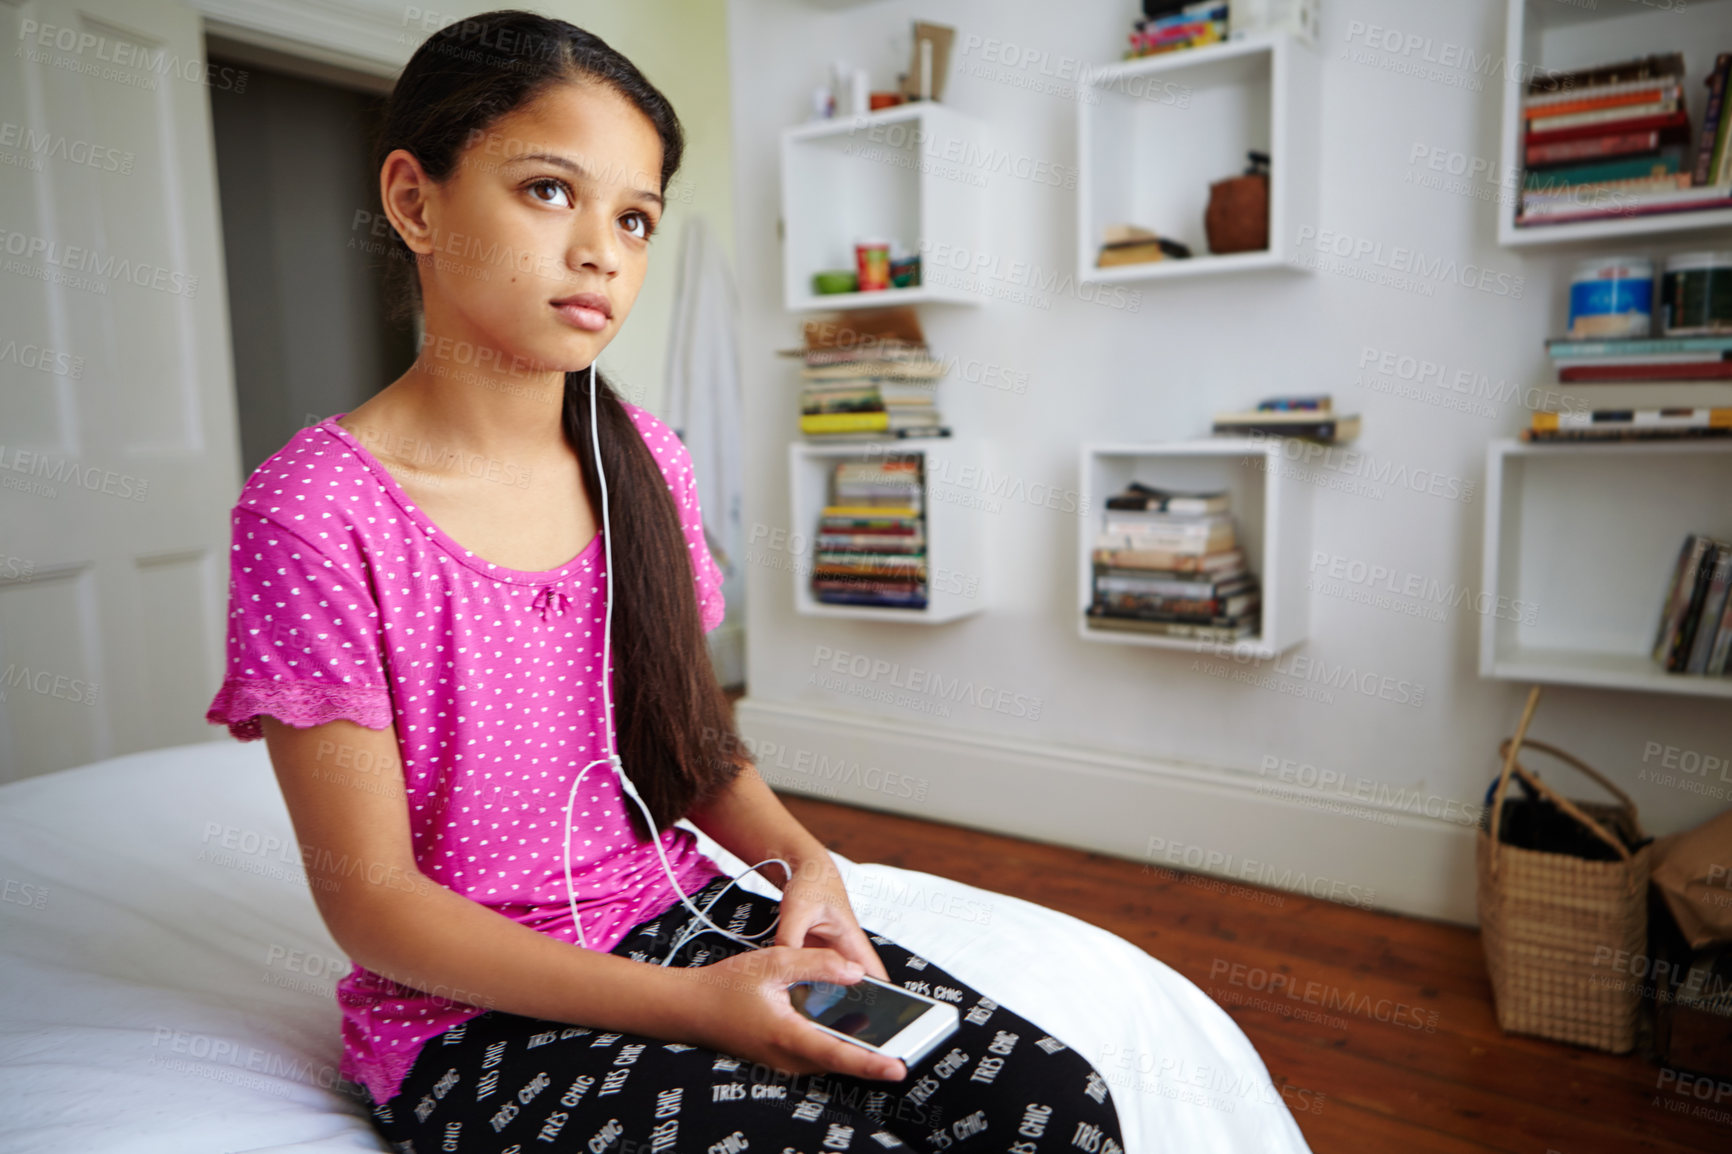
(1129, 743)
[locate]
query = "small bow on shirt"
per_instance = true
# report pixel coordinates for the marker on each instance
(549, 598)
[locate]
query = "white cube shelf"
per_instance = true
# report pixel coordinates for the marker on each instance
(956, 585)
(1545, 35)
(885, 174)
(1154, 133)
(1586, 536)
(1271, 512)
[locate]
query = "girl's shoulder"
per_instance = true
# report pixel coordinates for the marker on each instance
(313, 479)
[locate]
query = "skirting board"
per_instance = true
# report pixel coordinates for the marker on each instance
(1166, 815)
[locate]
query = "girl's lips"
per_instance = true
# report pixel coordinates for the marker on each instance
(589, 319)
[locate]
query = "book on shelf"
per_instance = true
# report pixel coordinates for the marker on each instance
(1607, 147)
(1570, 84)
(1660, 102)
(1192, 26)
(876, 599)
(1695, 630)
(1129, 597)
(1326, 427)
(868, 374)
(1672, 126)
(890, 482)
(869, 513)
(1589, 352)
(1172, 562)
(1140, 496)
(1213, 629)
(1168, 570)
(1662, 162)
(1711, 148)
(881, 420)
(867, 396)
(925, 368)
(1165, 583)
(1602, 96)
(1210, 538)
(871, 536)
(1306, 403)
(1629, 424)
(867, 436)
(1616, 141)
(1719, 370)
(1627, 203)
(1698, 358)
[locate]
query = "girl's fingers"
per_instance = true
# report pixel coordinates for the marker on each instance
(853, 944)
(834, 1054)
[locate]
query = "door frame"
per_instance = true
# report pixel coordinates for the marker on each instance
(336, 40)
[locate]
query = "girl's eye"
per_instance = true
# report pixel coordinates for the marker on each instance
(643, 222)
(549, 182)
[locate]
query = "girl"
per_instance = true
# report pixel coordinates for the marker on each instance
(418, 610)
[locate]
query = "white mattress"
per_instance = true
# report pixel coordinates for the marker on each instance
(164, 993)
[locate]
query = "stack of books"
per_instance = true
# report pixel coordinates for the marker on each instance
(872, 536)
(1671, 359)
(869, 375)
(1169, 563)
(1310, 418)
(1629, 425)
(1192, 26)
(1615, 140)
(1695, 634)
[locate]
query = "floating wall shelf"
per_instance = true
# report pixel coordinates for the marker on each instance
(884, 175)
(1154, 133)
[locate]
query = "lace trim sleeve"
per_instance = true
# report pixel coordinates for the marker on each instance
(301, 704)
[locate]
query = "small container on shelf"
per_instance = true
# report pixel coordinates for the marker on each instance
(1612, 298)
(872, 264)
(1696, 294)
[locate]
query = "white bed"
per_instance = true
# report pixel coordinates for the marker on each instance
(167, 979)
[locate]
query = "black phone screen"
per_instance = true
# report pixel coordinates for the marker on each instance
(868, 1013)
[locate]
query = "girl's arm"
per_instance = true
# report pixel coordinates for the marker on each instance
(751, 822)
(391, 918)
(353, 829)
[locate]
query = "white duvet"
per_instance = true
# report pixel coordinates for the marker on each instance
(167, 981)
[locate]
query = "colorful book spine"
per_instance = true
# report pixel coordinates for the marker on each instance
(1592, 148)
(1711, 117)
(1668, 161)
(1678, 418)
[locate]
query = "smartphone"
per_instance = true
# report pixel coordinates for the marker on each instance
(877, 1015)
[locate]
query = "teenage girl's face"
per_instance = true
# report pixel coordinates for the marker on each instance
(541, 236)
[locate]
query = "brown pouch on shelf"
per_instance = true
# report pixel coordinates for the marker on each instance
(1237, 219)
(1693, 871)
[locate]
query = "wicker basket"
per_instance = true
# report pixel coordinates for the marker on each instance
(1547, 920)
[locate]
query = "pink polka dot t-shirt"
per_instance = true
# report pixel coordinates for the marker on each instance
(346, 601)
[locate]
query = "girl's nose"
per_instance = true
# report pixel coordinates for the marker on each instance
(592, 244)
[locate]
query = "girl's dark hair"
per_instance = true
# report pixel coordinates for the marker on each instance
(675, 727)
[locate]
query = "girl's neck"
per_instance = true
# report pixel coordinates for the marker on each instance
(501, 416)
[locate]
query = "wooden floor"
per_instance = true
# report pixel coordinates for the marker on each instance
(1385, 1086)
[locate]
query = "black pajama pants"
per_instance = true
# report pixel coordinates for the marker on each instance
(503, 1083)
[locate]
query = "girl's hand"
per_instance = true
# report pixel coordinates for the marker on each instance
(816, 912)
(743, 1009)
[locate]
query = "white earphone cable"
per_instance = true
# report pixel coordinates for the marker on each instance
(613, 759)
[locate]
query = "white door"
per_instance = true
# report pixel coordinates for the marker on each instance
(119, 453)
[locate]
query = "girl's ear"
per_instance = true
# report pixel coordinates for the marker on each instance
(403, 191)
